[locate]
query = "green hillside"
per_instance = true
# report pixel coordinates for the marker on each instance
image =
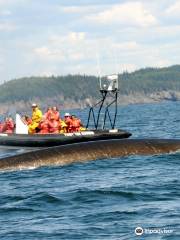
(71, 87)
(78, 87)
(151, 80)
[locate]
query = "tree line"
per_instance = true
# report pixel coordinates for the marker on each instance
(80, 87)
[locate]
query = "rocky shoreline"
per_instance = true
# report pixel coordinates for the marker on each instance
(149, 98)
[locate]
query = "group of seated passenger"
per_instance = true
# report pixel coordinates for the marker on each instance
(48, 123)
(51, 122)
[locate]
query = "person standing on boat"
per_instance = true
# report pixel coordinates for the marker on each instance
(36, 118)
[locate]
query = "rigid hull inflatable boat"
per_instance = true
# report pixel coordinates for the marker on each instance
(109, 96)
(47, 140)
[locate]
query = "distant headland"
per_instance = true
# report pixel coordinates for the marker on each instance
(146, 85)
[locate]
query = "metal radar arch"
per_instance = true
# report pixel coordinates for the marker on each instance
(109, 96)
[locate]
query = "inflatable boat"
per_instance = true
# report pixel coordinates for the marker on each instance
(48, 140)
(99, 131)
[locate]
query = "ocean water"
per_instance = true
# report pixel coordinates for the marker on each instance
(103, 199)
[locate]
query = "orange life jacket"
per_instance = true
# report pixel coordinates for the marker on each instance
(69, 124)
(54, 126)
(44, 127)
(47, 115)
(9, 126)
(76, 124)
(55, 115)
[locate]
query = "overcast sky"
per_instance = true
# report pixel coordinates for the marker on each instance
(58, 37)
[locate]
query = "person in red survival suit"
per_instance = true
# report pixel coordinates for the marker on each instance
(9, 125)
(68, 122)
(44, 126)
(50, 122)
(54, 125)
(76, 124)
(55, 113)
(48, 113)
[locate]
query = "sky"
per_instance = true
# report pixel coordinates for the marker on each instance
(94, 37)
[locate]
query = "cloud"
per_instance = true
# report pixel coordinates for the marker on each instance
(78, 52)
(12, 2)
(131, 13)
(79, 9)
(77, 56)
(174, 9)
(43, 51)
(130, 67)
(47, 73)
(62, 47)
(70, 38)
(5, 13)
(124, 46)
(46, 54)
(75, 37)
(162, 63)
(7, 27)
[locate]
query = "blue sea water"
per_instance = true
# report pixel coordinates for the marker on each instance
(101, 199)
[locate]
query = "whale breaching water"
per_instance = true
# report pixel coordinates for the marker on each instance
(82, 152)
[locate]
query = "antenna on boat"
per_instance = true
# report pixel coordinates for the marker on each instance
(108, 88)
(98, 67)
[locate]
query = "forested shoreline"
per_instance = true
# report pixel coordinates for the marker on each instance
(73, 91)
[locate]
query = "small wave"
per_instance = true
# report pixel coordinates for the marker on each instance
(46, 198)
(8, 210)
(11, 198)
(90, 196)
(30, 202)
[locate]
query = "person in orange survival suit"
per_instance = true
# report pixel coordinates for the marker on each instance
(76, 124)
(56, 114)
(48, 113)
(54, 125)
(68, 122)
(44, 126)
(8, 126)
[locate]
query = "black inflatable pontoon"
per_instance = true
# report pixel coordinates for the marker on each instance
(48, 140)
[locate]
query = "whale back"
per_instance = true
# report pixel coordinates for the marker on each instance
(81, 152)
